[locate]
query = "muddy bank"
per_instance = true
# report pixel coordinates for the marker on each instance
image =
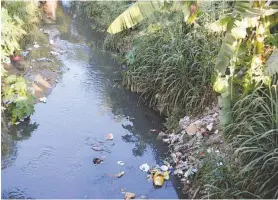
(39, 62)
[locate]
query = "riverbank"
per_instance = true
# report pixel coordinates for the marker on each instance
(174, 67)
(29, 63)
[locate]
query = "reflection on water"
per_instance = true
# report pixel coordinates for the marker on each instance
(51, 155)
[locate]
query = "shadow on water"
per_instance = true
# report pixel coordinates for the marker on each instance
(83, 107)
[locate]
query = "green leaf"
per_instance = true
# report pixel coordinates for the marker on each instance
(133, 15)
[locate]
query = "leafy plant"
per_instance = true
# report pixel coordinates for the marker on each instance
(11, 32)
(241, 60)
(17, 98)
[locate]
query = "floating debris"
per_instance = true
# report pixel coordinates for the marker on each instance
(144, 167)
(120, 174)
(129, 195)
(97, 161)
(109, 136)
(158, 179)
(120, 163)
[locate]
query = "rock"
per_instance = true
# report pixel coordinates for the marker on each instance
(191, 129)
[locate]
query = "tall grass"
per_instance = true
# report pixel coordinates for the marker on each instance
(253, 135)
(173, 68)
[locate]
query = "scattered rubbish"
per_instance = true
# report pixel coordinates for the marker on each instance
(191, 129)
(51, 41)
(43, 99)
(158, 179)
(96, 148)
(210, 126)
(109, 136)
(164, 168)
(97, 161)
(145, 167)
(54, 53)
(45, 59)
(120, 163)
(166, 175)
(129, 195)
(16, 123)
(56, 81)
(219, 164)
(36, 46)
(41, 29)
(120, 174)
(153, 130)
(24, 53)
(143, 197)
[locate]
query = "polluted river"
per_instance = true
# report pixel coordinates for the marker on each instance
(52, 154)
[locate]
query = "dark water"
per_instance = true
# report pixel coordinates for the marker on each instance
(51, 156)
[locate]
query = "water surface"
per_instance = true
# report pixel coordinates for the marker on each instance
(51, 156)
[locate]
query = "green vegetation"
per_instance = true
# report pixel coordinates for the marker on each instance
(19, 101)
(18, 20)
(180, 55)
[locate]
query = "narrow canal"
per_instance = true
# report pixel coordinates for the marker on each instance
(51, 155)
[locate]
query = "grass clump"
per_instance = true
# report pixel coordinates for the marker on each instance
(252, 170)
(173, 69)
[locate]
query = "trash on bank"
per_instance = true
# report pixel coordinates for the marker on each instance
(97, 161)
(25, 53)
(144, 167)
(120, 174)
(43, 99)
(120, 163)
(36, 46)
(129, 195)
(164, 168)
(109, 136)
(51, 41)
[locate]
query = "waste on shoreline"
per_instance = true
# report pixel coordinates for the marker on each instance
(199, 138)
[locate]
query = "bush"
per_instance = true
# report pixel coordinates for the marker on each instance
(17, 98)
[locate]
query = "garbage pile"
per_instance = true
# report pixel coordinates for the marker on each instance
(157, 174)
(198, 139)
